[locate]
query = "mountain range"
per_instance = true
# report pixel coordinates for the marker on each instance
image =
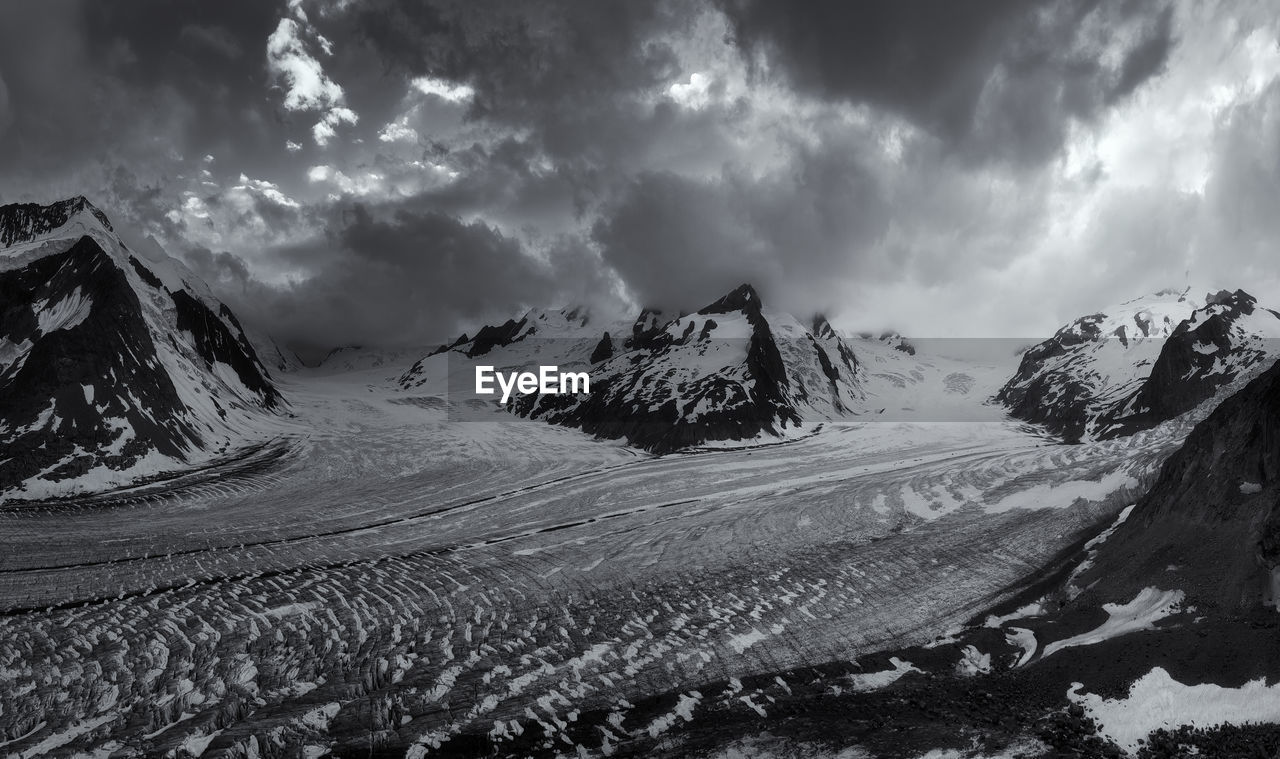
(117, 366)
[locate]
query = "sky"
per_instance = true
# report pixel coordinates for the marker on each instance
(393, 173)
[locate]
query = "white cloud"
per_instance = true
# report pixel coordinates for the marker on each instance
(307, 87)
(398, 131)
(364, 183)
(694, 93)
(247, 217)
(325, 129)
(263, 188)
(192, 206)
(292, 146)
(453, 93)
(1165, 136)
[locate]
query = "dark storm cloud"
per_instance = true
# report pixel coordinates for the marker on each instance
(505, 179)
(135, 82)
(681, 243)
(568, 150)
(42, 57)
(1240, 196)
(217, 38)
(1000, 80)
(130, 97)
(570, 70)
(394, 275)
(678, 242)
(995, 79)
(522, 55)
(6, 114)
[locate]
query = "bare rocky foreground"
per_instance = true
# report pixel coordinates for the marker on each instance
(379, 578)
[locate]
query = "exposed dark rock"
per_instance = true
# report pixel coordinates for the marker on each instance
(743, 298)
(603, 350)
(462, 340)
(648, 330)
(656, 389)
(821, 328)
(148, 276)
(1058, 402)
(898, 342)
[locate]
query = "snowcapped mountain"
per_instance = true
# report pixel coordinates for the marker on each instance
(1219, 343)
(1143, 362)
(112, 367)
(730, 371)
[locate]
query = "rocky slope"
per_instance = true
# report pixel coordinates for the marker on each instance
(1210, 524)
(112, 367)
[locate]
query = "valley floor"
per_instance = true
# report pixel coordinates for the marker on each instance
(380, 578)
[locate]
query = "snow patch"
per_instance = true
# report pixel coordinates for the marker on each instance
(883, 678)
(744, 641)
(1158, 701)
(64, 314)
(1150, 606)
(1030, 610)
(973, 662)
(1024, 639)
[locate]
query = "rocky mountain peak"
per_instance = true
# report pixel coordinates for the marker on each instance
(742, 298)
(822, 328)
